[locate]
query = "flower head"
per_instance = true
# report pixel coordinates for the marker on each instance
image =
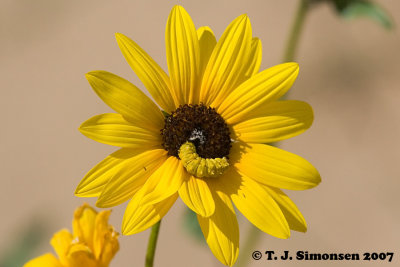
(205, 139)
(92, 244)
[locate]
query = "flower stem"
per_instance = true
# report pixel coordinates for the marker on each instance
(254, 234)
(151, 246)
(295, 31)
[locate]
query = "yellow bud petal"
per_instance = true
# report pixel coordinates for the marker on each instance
(110, 248)
(83, 224)
(105, 239)
(47, 260)
(61, 242)
(81, 255)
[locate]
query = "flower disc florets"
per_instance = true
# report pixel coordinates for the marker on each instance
(200, 125)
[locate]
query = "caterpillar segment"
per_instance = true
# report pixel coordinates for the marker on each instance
(201, 167)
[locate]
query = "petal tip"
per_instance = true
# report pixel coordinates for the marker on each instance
(77, 192)
(81, 127)
(177, 10)
(81, 192)
(310, 115)
(294, 65)
(101, 203)
(290, 66)
(303, 230)
(127, 228)
(286, 236)
(283, 234)
(178, 7)
(206, 28)
(124, 230)
(318, 180)
(244, 18)
(315, 182)
(297, 66)
(121, 38)
(208, 212)
(91, 75)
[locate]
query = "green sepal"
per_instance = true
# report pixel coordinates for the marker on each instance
(363, 8)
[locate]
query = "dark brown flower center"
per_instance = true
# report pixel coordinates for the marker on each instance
(200, 125)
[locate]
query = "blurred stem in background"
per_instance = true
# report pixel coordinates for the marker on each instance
(151, 246)
(295, 31)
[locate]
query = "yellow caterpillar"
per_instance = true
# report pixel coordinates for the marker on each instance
(201, 167)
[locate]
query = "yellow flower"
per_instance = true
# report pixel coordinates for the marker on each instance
(93, 243)
(219, 113)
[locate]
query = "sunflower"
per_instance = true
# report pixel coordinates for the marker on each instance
(204, 139)
(92, 244)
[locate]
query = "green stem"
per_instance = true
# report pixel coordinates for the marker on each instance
(151, 246)
(295, 31)
(254, 234)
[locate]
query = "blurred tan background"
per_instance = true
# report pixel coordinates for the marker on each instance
(349, 74)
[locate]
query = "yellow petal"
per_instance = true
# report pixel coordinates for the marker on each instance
(96, 179)
(196, 194)
(255, 58)
(126, 99)
(274, 167)
(221, 230)
(105, 239)
(262, 88)
(149, 72)
(164, 182)
(127, 178)
(138, 218)
(83, 224)
(256, 204)
(113, 129)
(227, 63)
(274, 122)
(292, 214)
(183, 56)
(61, 242)
(101, 228)
(207, 43)
(46, 260)
(81, 255)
